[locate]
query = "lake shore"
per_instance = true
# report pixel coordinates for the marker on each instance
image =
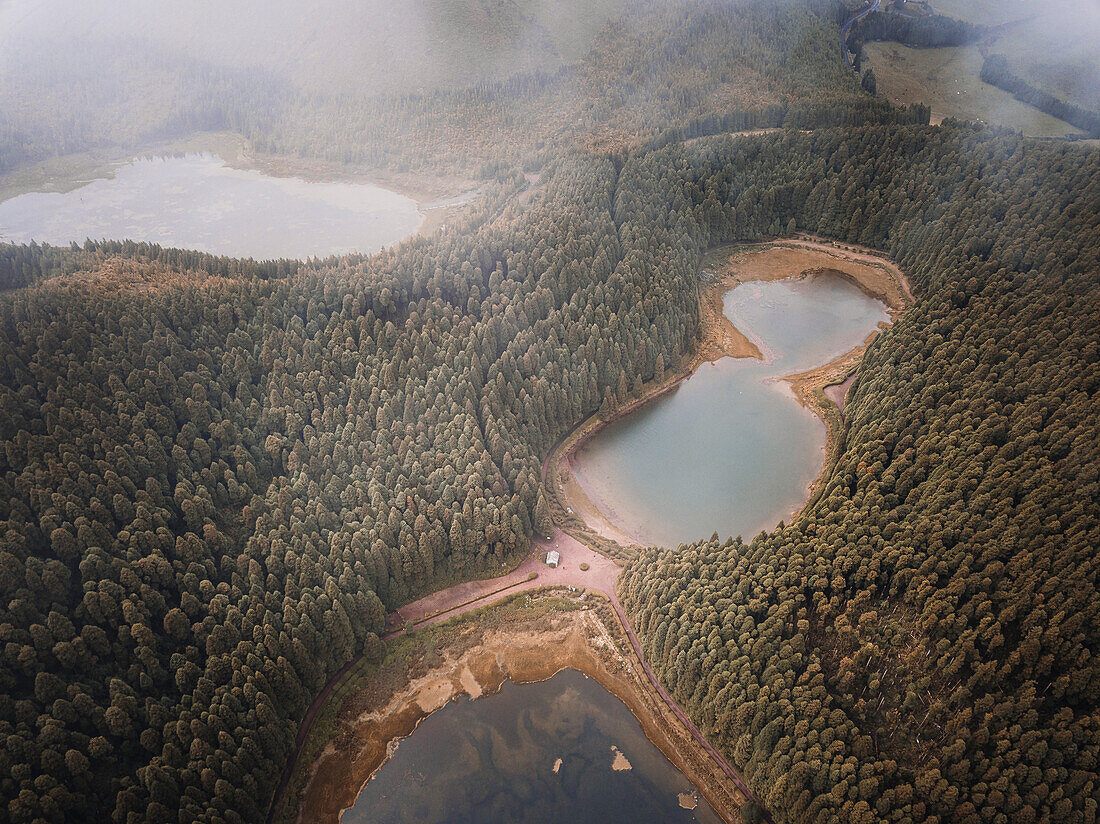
(587, 517)
(529, 638)
(473, 654)
(70, 172)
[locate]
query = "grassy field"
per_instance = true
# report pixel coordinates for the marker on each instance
(985, 12)
(1052, 45)
(948, 80)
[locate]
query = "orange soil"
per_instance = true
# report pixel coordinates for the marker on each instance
(475, 660)
(597, 641)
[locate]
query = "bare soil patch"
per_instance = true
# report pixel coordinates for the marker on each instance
(517, 641)
(807, 256)
(838, 392)
(533, 573)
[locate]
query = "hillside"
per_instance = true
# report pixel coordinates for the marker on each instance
(1046, 81)
(218, 476)
(473, 106)
(918, 644)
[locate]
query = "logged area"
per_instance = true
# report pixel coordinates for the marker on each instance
(258, 517)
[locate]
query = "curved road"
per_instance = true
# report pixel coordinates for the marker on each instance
(461, 598)
(600, 576)
(448, 603)
(844, 31)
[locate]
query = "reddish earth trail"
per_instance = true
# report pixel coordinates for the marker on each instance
(456, 600)
(447, 603)
(461, 598)
(600, 577)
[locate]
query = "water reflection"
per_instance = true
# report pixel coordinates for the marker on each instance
(559, 750)
(731, 449)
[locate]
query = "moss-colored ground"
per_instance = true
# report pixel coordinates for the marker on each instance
(949, 80)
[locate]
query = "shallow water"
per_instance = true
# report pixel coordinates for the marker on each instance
(493, 760)
(731, 449)
(197, 202)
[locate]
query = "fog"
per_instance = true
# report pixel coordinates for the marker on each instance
(334, 45)
(83, 76)
(76, 75)
(1058, 47)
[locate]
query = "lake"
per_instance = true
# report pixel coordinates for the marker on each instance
(198, 202)
(731, 449)
(564, 749)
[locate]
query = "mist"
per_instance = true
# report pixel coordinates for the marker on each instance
(330, 45)
(380, 84)
(1057, 45)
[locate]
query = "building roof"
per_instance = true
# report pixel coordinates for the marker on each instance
(552, 557)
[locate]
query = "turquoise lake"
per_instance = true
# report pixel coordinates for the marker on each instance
(730, 449)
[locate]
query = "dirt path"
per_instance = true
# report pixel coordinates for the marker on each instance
(447, 603)
(600, 576)
(734, 777)
(602, 571)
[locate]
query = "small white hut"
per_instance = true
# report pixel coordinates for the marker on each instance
(552, 558)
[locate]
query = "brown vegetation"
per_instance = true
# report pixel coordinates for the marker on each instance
(524, 640)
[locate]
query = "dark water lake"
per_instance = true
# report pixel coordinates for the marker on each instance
(198, 202)
(543, 752)
(731, 449)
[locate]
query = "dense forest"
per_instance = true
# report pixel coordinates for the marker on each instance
(216, 487)
(216, 476)
(919, 645)
(662, 64)
(921, 30)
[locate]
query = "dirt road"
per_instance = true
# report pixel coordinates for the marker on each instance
(600, 577)
(447, 603)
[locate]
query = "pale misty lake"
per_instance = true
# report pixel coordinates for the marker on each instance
(198, 202)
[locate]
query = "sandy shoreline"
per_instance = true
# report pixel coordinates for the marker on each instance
(478, 651)
(475, 658)
(728, 267)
